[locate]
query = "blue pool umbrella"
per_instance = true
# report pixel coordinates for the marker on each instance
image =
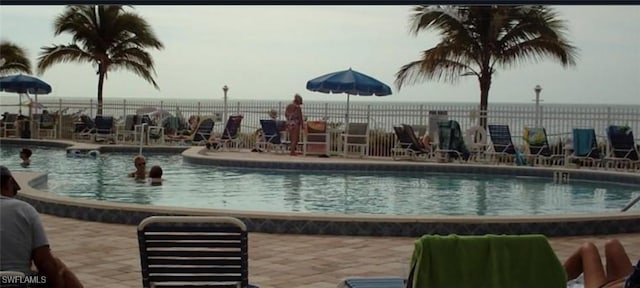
(24, 84)
(350, 82)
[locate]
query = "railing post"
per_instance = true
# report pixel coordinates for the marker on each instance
(326, 110)
(161, 104)
(421, 114)
(369, 114)
(60, 117)
(198, 110)
(124, 108)
(91, 107)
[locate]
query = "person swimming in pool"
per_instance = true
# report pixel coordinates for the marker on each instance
(141, 171)
(25, 154)
(155, 175)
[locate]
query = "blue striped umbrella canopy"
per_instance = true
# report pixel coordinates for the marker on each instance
(350, 82)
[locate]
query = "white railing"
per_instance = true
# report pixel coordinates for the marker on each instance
(559, 120)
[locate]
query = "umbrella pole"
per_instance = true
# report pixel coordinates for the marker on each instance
(346, 129)
(20, 104)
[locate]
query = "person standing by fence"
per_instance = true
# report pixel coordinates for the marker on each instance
(293, 114)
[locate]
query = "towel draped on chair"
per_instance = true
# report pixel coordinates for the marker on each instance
(493, 261)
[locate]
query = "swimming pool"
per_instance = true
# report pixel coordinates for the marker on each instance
(198, 186)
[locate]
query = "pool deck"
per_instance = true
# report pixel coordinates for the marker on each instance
(106, 255)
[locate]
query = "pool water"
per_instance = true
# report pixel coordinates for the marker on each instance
(199, 186)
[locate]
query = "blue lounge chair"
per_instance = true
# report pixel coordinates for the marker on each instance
(501, 144)
(192, 251)
(585, 147)
(230, 135)
(451, 142)
(407, 145)
(203, 132)
(622, 147)
(104, 128)
(271, 138)
(539, 149)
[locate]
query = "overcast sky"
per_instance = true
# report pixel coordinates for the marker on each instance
(270, 52)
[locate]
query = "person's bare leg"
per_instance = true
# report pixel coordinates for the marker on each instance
(586, 260)
(294, 136)
(618, 262)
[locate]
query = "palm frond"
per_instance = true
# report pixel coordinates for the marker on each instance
(137, 68)
(15, 57)
(62, 54)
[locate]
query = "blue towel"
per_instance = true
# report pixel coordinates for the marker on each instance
(583, 141)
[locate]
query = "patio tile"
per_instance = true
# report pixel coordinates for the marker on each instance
(106, 255)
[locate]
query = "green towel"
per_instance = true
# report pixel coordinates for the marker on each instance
(490, 261)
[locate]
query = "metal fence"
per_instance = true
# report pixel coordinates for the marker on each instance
(559, 120)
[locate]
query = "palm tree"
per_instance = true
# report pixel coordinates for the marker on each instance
(476, 39)
(15, 59)
(108, 37)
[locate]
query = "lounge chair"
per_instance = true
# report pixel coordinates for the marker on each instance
(623, 151)
(84, 128)
(127, 132)
(231, 134)
(104, 128)
(47, 126)
(497, 261)
(356, 136)
(539, 151)
(9, 125)
(407, 145)
(502, 148)
(192, 251)
(270, 138)
(199, 135)
(451, 142)
(585, 148)
(316, 138)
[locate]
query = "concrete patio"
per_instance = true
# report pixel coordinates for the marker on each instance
(106, 255)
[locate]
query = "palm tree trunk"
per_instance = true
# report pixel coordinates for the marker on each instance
(485, 85)
(100, 85)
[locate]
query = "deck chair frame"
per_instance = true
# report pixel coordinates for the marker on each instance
(193, 251)
(270, 139)
(501, 148)
(592, 158)
(407, 145)
(230, 138)
(542, 154)
(444, 152)
(102, 128)
(356, 135)
(623, 152)
(9, 125)
(313, 137)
